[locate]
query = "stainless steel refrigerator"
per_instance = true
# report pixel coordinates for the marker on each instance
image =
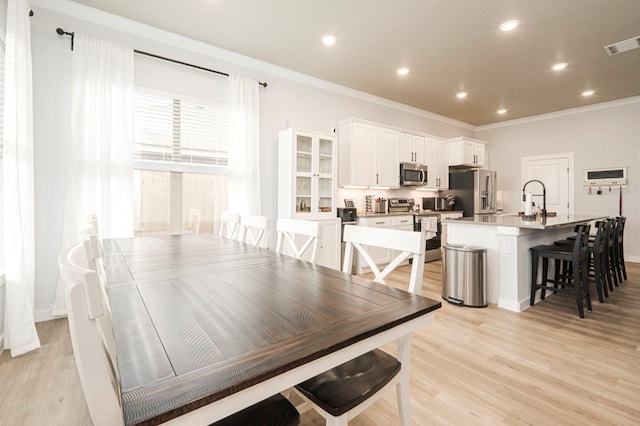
(475, 191)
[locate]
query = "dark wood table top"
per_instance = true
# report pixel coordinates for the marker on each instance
(199, 318)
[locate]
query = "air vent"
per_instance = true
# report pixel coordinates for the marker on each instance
(623, 46)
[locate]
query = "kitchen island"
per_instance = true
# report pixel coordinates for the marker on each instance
(507, 239)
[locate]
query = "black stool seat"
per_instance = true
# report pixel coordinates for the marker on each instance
(273, 411)
(344, 387)
(576, 257)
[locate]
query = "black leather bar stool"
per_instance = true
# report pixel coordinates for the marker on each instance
(620, 266)
(596, 251)
(578, 260)
(612, 272)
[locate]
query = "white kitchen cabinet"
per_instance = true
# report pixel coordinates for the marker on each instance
(307, 169)
(368, 155)
(436, 157)
(306, 175)
(412, 148)
(382, 256)
(443, 225)
(442, 166)
(466, 152)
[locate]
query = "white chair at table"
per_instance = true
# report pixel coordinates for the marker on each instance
(253, 230)
(92, 339)
(289, 229)
(229, 225)
(343, 392)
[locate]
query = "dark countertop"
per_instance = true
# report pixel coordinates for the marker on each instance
(411, 213)
(517, 221)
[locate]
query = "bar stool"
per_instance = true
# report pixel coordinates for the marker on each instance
(612, 273)
(577, 258)
(620, 266)
(596, 251)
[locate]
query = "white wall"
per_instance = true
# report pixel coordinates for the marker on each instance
(605, 135)
(3, 20)
(289, 100)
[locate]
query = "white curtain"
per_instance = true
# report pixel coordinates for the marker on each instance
(20, 332)
(244, 152)
(100, 154)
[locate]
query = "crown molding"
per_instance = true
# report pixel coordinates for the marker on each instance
(571, 111)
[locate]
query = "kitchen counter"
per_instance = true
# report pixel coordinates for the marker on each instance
(514, 220)
(507, 239)
(411, 213)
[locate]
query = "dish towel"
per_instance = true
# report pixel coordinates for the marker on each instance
(430, 226)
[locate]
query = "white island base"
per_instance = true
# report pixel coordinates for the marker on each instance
(507, 240)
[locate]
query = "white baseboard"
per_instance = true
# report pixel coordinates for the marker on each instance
(45, 315)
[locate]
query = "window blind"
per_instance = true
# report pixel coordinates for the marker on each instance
(179, 131)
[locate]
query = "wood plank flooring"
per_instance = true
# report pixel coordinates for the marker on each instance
(471, 366)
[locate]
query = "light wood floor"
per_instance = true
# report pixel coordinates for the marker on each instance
(487, 366)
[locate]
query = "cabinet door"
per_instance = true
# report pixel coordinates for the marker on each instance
(431, 160)
(406, 148)
(329, 249)
(304, 181)
(324, 176)
(419, 149)
(479, 157)
(363, 154)
(468, 152)
(388, 163)
(442, 153)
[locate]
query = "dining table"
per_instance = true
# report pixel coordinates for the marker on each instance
(206, 326)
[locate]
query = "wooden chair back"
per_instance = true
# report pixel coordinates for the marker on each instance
(229, 225)
(254, 230)
(289, 229)
(407, 244)
(92, 339)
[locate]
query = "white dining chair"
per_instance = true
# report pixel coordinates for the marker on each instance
(89, 317)
(74, 265)
(254, 230)
(294, 230)
(343, 392)
(92, 337)
(229, 225)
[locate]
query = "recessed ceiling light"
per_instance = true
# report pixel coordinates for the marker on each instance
(559, 66)
(403, 71)
(588, 93)
(509, 25)
(329, 40)
(502, 111)
(461, 95)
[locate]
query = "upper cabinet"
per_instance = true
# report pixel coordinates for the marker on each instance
(412, 148)
(368, 154)
(466, 152)
(437, 161)
(306, 175)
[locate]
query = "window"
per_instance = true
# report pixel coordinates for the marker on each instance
(180, 151)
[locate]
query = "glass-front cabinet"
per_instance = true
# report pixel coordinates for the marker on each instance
(306, 175)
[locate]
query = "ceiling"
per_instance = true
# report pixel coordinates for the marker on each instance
(449, 46)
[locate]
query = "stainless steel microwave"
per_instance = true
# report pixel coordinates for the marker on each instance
(413, 174)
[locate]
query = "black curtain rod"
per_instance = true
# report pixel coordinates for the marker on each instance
(62, 32)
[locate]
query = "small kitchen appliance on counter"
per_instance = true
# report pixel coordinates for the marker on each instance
(435, 203)
(347, 215)
(401, 205)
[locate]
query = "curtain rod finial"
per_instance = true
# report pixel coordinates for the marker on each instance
(263, 84)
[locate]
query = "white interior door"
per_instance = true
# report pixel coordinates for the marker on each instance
(556, 172)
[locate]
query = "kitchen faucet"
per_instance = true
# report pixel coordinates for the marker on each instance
(544, 196)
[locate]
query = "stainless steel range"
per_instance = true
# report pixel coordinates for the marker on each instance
(401, 205)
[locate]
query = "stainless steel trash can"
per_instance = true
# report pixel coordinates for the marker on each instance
(464, 275)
